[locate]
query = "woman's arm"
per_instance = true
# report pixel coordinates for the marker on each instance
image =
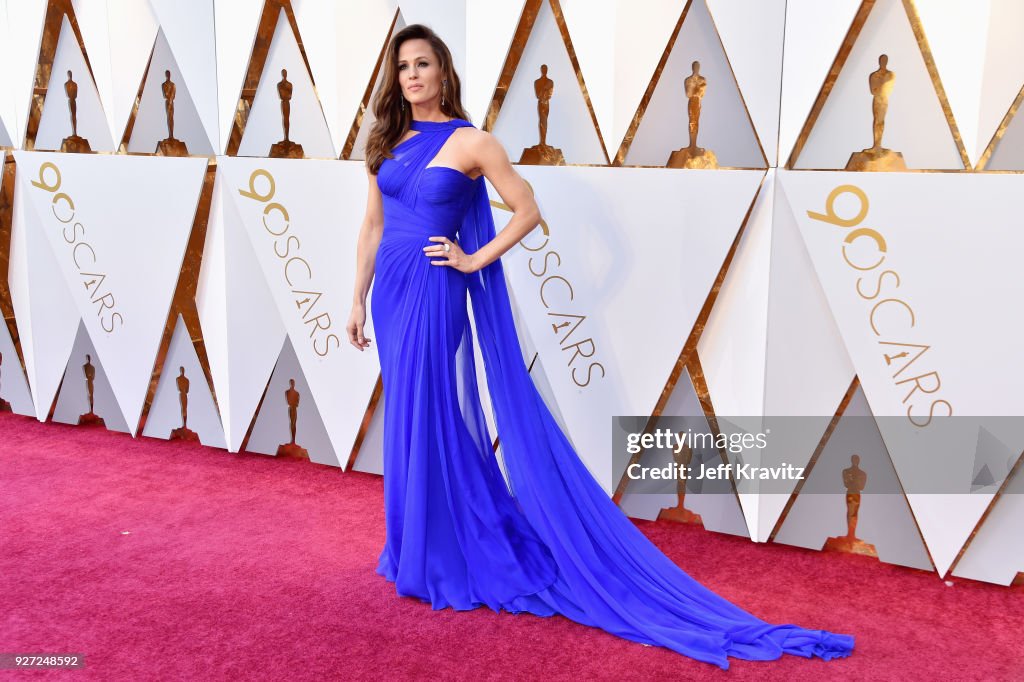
(488, 155)
(366, 255)
(494, 164)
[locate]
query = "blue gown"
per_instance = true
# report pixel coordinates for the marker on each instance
(550, 540)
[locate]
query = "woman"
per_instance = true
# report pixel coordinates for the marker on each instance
(456, 535)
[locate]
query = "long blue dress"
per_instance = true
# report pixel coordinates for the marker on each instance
(550, 540)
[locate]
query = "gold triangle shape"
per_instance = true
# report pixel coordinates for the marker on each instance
(641, 110)
(843, 54)
(55, 13)
(520, 39)
(258, 60)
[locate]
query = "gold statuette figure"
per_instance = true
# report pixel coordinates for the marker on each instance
(183, 432)
(854, 479)
(291, 449)
(876, 157)
(286, 149)
(680, 513)
(4, 405)
(73, 143)
(542, 154)
(90, 417)
(693, 156)
(170, 146)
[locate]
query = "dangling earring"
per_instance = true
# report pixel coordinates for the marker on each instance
(403, 105)
(443, 84)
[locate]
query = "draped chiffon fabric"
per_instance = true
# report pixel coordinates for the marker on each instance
(549, 540)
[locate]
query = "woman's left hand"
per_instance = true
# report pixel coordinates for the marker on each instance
(454, 257)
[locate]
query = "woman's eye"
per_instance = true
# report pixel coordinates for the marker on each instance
(401, 67)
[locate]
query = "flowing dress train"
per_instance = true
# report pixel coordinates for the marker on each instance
(550, 540)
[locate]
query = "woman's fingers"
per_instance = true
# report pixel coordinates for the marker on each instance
(356, 338)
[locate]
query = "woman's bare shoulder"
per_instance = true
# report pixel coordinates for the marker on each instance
(479, 144)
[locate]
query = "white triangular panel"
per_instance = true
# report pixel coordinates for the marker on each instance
(1004, 67)
(884, 518)
(242, 330)
(272, 427)
(725, 126)
(948, 375)
(8, 104)
(15, 387)
(165, 413)
(733, 344)
(957, 34)
(363, 134)
(212, 302)
(311, 290)
(23, 20)
(91, 16)
(752, 34)
(714, 501)
(121, 257)
(13, 383)
(807, 369)
(995, 553)
(235, 22)
(151, 120)
(618, 44)
(490, 27)
(343, 41)
(915, 124)
(680, 225)
(189, 31)
(73, 399)
(118, 37)
(814, 33)
(570, 125)
(1009, 150)
(591, 25)
(55, 121)
(320, 23)
(980, 58)
(264, 126)
(47, 316)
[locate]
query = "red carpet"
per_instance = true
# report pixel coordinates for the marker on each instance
(174, 561)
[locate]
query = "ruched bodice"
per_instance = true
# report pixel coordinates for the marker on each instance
(435, 197)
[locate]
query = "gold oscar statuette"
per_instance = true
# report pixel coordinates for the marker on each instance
(90, 418)
(291, 449)
(693, 156)
(4, 405)
(542, 154)
(183, 432)
(170, 146)
(876, 157)
(854, 479)
(286, 149)
(74, 143)
(680, 513)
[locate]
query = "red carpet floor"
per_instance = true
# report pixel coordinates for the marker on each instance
(174, 561)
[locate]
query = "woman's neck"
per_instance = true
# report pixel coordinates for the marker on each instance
(429, 114)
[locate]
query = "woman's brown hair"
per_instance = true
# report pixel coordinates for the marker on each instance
(392, 118)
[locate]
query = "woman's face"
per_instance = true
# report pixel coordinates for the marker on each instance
(419, 71)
